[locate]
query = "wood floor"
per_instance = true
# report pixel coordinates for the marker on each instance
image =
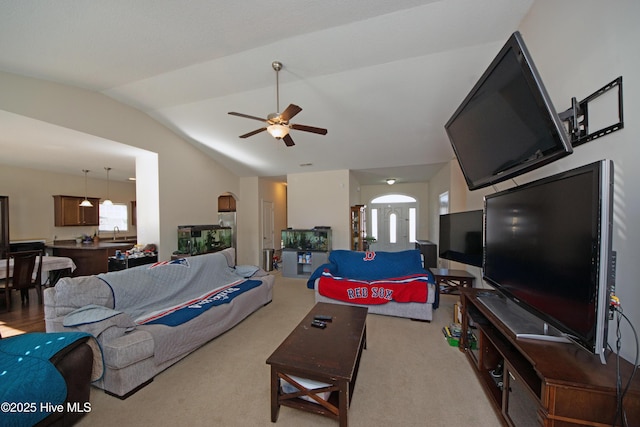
(21, 318)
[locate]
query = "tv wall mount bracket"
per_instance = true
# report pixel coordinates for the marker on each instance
(577, 116)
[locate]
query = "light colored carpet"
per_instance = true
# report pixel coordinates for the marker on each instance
(409, 376)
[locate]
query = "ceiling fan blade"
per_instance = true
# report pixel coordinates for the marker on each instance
(246, 116)
(288, 141)
(247, 135)
(308, 129)
(291, 111)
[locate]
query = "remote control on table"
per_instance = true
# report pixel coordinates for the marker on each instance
(318, 324)
(323, 318)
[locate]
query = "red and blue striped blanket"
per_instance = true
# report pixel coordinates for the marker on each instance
(410, 288)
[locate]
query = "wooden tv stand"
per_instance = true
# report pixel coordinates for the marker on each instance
(543, 383)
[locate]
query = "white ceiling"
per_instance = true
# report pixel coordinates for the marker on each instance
(382, 76)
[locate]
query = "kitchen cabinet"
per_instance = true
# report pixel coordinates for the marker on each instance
(226, 203)
(68, 212)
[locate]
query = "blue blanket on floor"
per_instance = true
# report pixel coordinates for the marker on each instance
(30, 385)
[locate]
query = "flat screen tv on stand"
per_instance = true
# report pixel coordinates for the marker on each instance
(547, 250)
(507, 124)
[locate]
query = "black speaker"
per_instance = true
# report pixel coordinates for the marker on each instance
(429, 251)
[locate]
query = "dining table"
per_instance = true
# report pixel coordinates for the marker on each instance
(54, 264)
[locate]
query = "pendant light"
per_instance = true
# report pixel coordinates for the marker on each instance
(85, 203)
(107, 201)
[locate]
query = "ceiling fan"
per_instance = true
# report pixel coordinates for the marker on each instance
(277, 124)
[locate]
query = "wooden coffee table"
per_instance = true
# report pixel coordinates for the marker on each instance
(330, 356)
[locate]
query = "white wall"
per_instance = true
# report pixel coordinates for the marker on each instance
(320, 198)
(248, 218)
(147, 199)
(440, 183)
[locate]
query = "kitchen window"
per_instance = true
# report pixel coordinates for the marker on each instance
(112, 216)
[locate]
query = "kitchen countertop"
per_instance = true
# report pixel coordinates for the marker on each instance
(90, 258)
(101, 244)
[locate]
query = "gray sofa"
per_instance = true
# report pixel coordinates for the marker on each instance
(143, 316)
(411, 310)
(375, 267)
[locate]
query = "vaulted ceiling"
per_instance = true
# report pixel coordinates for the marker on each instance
(383, 77)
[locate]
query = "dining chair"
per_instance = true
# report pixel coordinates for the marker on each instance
(22, 277)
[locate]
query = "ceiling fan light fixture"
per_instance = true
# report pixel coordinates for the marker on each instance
(278, 131)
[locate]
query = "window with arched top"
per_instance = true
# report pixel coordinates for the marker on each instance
(394, 198)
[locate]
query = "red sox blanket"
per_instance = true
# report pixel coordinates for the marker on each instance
(411, 288)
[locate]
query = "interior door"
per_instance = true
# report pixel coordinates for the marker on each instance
(267, 225)
(393, 228)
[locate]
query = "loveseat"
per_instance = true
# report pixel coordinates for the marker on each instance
(149, 317)
(389, 283)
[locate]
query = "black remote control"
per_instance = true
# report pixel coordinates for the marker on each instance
(323, 317)
(318, 324)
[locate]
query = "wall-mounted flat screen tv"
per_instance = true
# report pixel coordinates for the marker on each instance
(461, 237)
(507, 124)
(547, 247)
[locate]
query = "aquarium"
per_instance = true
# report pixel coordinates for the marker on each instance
(316, 239)
(202, 239)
